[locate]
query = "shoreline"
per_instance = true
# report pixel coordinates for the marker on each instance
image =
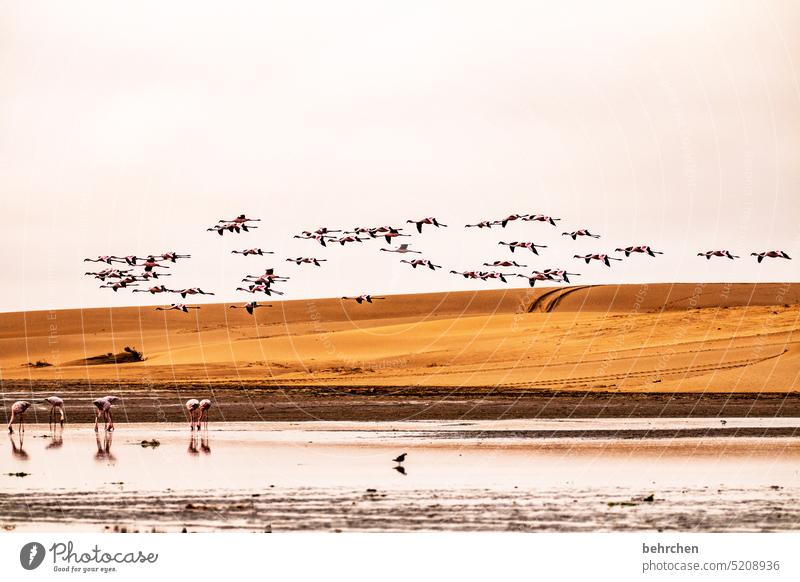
(163, 402)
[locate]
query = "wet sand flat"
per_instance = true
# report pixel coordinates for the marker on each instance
(470, 476)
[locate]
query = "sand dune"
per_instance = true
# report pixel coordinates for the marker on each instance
(659, 337)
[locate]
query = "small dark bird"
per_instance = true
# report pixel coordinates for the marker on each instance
(400, 459)
(723, 422)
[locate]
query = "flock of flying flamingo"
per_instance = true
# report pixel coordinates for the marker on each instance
(152, 266)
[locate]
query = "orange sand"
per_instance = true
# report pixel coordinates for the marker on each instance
(659, 337)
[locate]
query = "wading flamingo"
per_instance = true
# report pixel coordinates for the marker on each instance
(103, 406)
(18, 413)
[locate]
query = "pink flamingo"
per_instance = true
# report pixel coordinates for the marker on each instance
(540, 218)
(191, 409)
(771, 254)
(597, 257)
(402, 249)
(240, 220)
(153, 290)
(247, 252)
(191, 291)
(320, 238)
(429, 220)
(467, 274)
(486, 275)
(481, 224)
(173, 256)
(523, 245)
(561, 273)
(639, 249)
(364, 298)
(421, 263)
(394, 233)
(722, 253)
(177, 307)
(504, 221)
(18, 413)
(307, 261)
(205, 404)
(56, 409)
(582, 232)
(250, 306)
(103, 406)
(503, 264)
(260, 289)
(536, 277)
(118, 285)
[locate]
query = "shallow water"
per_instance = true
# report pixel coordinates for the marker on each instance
(458, 476)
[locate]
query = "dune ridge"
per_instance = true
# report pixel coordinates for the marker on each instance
(689, 337)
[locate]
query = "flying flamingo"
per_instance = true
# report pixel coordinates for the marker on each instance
(191, 291)
(191, 407)
(597, 257)
(320, 238)
(147, 275)
(307, 261)
(639, 249)
(205, 404)
(260, 289)
(118, 285)
(56, 409)
(130, 260)
(346, 239)
(394, 233)
(153, 290)
(172, 256)
(504, 221)
(536, 277)
(485, 276)
(319, 231)
(503, 264)
(429, 220)
(241, 219)
(102, 259)
(403, 248)
(249, 307)
(467, 274)
(771, 254)
(540, 218)
(177, 307)
(523, 245)
(582, 232)
(103, 406)
(481, 224)
(17, 413)
(247, 252)
(421, 263)
(564, 275)
(362, 298)
(722, 253)
(150, 263)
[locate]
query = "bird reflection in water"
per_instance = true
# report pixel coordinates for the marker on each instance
(199, 444)
(56, 440)
(104, 448)
(17, 451)
(193, 443)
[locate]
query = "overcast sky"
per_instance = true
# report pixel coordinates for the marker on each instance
(130, 127)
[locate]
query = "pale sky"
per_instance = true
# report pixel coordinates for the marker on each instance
(129, 127)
